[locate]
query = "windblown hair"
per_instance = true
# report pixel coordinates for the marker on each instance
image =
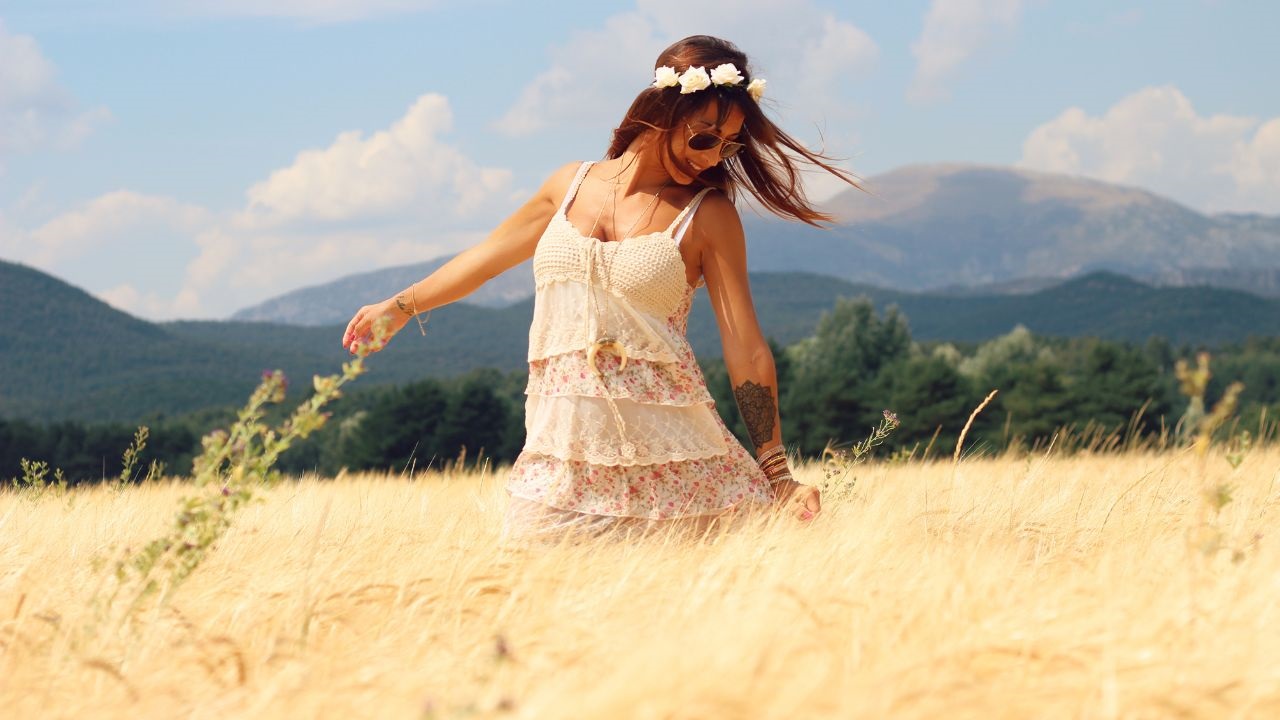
(768, 165)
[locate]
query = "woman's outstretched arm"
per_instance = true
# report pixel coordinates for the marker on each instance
(510, 244)
(747, 356)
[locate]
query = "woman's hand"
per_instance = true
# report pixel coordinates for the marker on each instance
(360, 330)
(803, 500)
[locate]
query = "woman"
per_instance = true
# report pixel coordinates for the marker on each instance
(621, 430)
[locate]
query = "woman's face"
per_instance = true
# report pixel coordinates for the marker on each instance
(690, 163)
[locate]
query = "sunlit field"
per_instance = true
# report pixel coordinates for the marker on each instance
(1142, 585)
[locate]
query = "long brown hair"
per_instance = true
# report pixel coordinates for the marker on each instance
(767, 164)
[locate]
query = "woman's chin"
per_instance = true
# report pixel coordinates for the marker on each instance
(687, 175)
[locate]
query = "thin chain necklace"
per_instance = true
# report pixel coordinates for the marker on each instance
(613, 204)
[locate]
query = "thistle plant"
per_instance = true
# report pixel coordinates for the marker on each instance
(1192, 383)
(1238, 448)
(34, 483)
(129, 461)
(234, 465)
(838, 462)
(1198, 427)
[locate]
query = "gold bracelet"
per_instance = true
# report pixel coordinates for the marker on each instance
(770, 453)
(777, 471)
(774, 461)
(422, 325)
(775, 482)
(775, 468)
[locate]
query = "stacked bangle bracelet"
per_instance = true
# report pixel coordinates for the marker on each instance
(774, 464)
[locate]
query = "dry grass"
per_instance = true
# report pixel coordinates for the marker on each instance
(1033, 587)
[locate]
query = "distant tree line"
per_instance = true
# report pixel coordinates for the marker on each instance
(835, 385)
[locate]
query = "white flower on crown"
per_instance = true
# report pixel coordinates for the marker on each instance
(693, 80)
(726, 74)
(697, 78)
(665, 77)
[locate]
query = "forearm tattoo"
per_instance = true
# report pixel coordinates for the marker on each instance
(758, 409)
(404, 308)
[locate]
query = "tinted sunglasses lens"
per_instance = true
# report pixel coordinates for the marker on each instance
(729, 149)
(703, 141)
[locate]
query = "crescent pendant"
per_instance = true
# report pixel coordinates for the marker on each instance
(606, 344)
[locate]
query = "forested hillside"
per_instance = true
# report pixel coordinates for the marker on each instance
(68, 356)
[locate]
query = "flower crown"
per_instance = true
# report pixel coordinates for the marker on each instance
(697, 78)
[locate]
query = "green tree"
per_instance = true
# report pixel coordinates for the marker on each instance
(479, 418)
(400, 429)
(1113, 382)
(834, 393)
(927, 392)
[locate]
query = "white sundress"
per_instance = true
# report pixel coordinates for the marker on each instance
(635, 445)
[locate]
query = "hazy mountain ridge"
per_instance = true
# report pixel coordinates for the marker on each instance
(337, 301)
(936, 226)
(969, 229)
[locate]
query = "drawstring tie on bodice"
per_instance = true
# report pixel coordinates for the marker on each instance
(596, 343)
(597, 340)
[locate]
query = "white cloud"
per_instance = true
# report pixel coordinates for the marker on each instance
(587, 93)
(954, 31)
(404, 169)
(317, 11)
(114, 220)
(399, 195)
(113, 244)
(1155, 139)
(807, 54)
(35, 110)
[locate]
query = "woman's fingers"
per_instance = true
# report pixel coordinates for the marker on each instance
(807, 502)
(348, 335)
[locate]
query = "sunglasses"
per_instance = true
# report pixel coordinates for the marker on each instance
(706, 140)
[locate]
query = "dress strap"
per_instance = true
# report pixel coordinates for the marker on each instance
(573, 186)
(683, 220)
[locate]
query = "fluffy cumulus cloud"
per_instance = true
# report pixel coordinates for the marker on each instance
(35, 110)
(808, 55)
(104, 223)
(112, 245)
(954, 31)
(397, 196)
(1156, 139)
(407, 168)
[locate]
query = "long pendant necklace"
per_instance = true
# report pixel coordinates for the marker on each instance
(609, 343)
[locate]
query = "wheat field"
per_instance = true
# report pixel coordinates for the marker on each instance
(1040, 586)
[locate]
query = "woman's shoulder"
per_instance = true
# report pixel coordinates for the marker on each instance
(716, 225)
(717, 208)
(558, 182)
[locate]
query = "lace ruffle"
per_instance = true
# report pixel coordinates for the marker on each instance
(677, 383)
(562, 324)
(584, 428)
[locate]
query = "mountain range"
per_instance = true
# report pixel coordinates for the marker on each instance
(962, 229)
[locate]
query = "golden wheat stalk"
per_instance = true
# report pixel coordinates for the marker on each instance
(960, 443)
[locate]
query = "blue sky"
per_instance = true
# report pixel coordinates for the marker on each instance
(189, 158)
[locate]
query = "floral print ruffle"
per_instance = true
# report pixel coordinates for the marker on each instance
(643, 381)
(658, 492)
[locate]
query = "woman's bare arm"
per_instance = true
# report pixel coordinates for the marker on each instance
(747, 356)
(510, 244)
